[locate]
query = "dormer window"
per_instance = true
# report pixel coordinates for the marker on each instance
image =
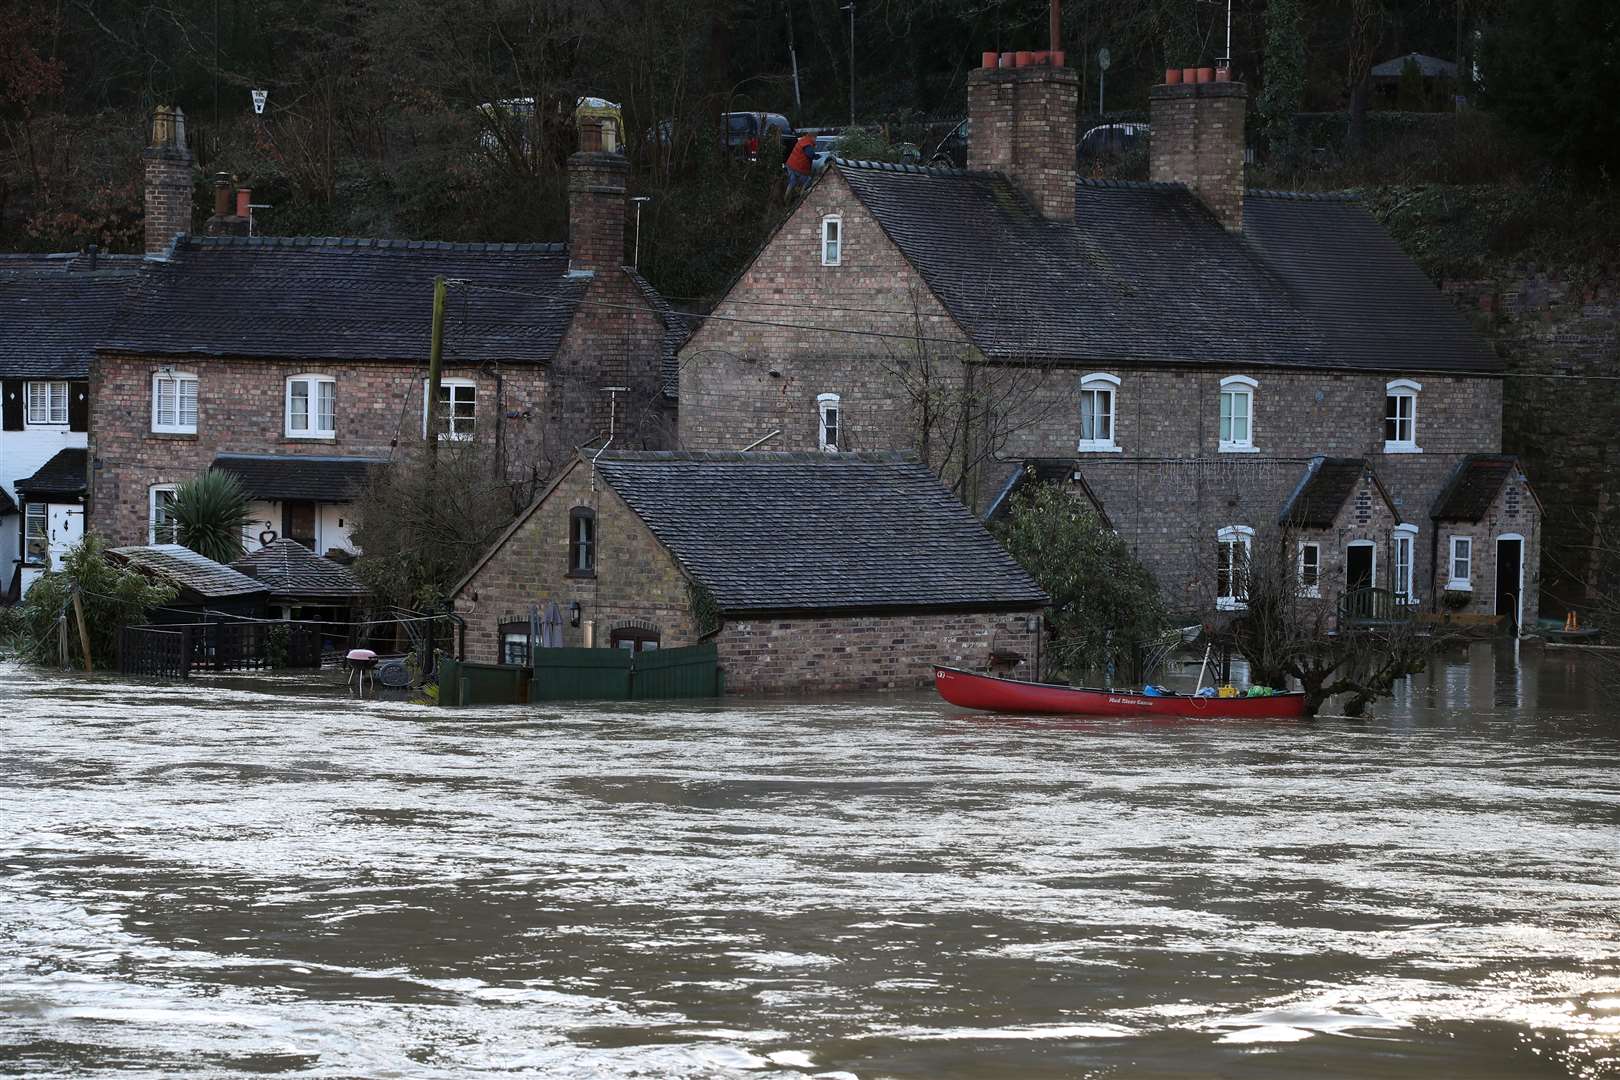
(1237, 414)
(832, 240)
(829, 431)
(1400, 417)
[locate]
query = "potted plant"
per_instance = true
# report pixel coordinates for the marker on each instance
(1455, 599)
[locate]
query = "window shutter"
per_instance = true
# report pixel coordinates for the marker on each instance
(13, 391)
(78, 406)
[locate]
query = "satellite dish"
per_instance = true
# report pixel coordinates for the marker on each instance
(1103, 58)
(259, 98)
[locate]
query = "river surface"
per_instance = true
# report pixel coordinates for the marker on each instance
(234, 878)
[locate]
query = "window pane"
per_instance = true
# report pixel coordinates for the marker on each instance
(1088, 415)
(1226, 417)
(327, 398)
(298, 417)
(36, 537)
(188, 403)
(165, 402)
(1105, 415)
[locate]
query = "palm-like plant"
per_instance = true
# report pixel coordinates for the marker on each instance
(209, 513)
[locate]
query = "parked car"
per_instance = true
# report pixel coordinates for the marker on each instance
(744, 130)
(825, 150)
(952, 149)
(1112, 140)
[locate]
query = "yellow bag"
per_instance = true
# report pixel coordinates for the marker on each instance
(1228, 691)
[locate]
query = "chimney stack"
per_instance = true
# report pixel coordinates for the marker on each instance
(1022, 112)
(596, 196)
(1198, 139)
(168, 180)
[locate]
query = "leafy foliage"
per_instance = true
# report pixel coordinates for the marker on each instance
(210, 511)
(1104, 601)
(1284, 92)
(113, 597)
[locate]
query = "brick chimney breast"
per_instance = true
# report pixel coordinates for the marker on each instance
(1198, 141)
(596, 197)
(1023, 125)
(167, 181)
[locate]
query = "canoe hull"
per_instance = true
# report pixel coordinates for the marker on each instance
(971, 690)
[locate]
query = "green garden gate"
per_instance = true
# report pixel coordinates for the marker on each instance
(692, 671)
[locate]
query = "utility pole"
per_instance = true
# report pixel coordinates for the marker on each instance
(793, 55)
(435, 367)
(851, 63)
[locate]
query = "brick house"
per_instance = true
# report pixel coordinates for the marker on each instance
(810, 572)
(300, 363)
(1487, 537)
(1188, 347)
(53, 308)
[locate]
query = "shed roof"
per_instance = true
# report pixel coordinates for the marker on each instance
(299, 476)
(1428, 66)
(61, 477)
(1474, 486)
(181, 566)
(814, 531)
(291, 570)
(1145, 272)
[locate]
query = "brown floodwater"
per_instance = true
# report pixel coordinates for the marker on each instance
(251, 877)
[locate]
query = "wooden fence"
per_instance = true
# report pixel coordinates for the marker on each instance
(174, 651)
(691, 671)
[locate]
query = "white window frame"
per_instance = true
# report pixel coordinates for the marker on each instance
(451, 434)
(42, 513)
(313, 416)
(1408, 390)
(1098, 383)
(177, 425)
(1465, 584)
(56, 391)
(1238, 536)
(826, 403)
(832, 240)
(1312, 589)
(1403, 579)
(1238, 386)
(152, 500)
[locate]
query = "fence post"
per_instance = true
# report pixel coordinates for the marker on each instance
(185, 652)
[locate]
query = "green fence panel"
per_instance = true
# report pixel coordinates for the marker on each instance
(494, 684)
(687, 672)
(580, 675)
(449, 681)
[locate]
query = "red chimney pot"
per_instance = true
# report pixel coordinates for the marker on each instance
(988, 60)
(244, 196)
(1172, 76)
(1206, 74)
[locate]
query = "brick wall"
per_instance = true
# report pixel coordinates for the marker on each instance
(863, 652)
(1514, 511)
(1024, 126)
(636, 579)
(1198, 141)
(241, 409)
(1364, 517)
(167, 195)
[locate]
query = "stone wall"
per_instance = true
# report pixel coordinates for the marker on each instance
(241, 409)
(636, 579)
(831, 653)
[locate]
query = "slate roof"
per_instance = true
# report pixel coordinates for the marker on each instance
(290, 569)
(1045, 470)
(814, 531)
(1321, 493)
(1146, 274)
(329, 298)
(51, 317)
(179, 565)
(1473, 487)
(299, 476)
(62, 477)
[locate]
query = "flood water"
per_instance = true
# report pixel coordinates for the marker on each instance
(232, 877)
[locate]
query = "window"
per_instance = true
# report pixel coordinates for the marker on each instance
(47, 402)
(1462, 563)
(161, 515)
(1097, 392)
(1404, 542)
(174, 403)
(832, 240)
(827, 407)
(1400, 417)
(36, 535)
(582, 542)
(1310, 569)
(311, 407)
(1232, 567)
(458, 409)
(635, 639)
(515, 643)
(1237, 413)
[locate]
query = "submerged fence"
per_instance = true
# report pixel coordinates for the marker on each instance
(176, 650)
(692, 671)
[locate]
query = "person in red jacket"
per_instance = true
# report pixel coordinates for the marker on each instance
(799, 163)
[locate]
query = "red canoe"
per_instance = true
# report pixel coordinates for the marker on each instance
(974, 691)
